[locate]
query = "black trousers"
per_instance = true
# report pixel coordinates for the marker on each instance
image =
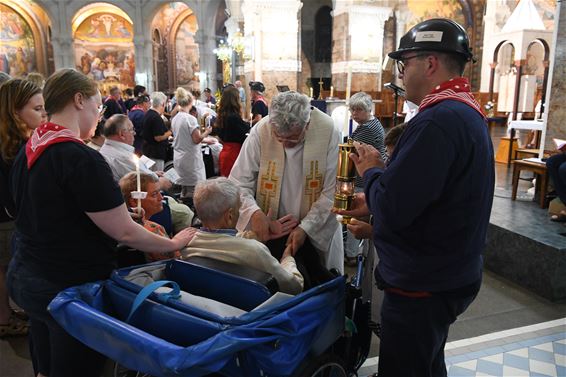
(414, 332)
(307, 259)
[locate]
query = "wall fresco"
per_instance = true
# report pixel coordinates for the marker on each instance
(17, 51)
(187, 53)
(104, 50)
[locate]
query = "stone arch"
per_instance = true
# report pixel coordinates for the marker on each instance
(160, 61)
(38, 48)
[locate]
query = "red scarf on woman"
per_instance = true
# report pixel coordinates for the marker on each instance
(45, 135)
(457, 89)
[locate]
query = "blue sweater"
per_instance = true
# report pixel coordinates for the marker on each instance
(431, 206)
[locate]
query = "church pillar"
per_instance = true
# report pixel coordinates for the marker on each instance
(358, 45)
(273, 63)
(489, 45)
(207, 59)
(144, 61)
(63, 52)
(555, 112)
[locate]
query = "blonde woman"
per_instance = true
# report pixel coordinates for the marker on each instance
(187, 154)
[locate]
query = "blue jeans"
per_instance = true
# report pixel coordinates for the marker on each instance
(55, 353)
(414, 332)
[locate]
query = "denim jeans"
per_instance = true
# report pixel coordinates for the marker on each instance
(55, 353)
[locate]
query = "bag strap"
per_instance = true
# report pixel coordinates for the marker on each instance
(147, 290)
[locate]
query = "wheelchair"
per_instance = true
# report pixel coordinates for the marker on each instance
(158, 331)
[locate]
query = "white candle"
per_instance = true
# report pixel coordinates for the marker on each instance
(310, 92)
(138, 181)
(331, 91)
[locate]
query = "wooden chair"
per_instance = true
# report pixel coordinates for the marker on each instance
(539, 169)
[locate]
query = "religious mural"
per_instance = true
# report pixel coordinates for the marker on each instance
(104, 50)
(424, 10)
(187, 53)
(17, 51)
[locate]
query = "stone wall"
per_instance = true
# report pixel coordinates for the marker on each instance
(556, 123)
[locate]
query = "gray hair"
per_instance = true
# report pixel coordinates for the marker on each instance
(158, 99)
(213, 197)
(362, 101)
(115, 124)
(289, 111)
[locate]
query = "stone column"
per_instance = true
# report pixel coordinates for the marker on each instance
(207, 59)
(358, 43)
(274, 29)
(63, 52)
(555, 112)
(143, 52)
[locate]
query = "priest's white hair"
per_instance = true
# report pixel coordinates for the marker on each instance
(213, 197)
(289, 111)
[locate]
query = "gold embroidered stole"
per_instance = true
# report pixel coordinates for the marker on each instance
(272, 161)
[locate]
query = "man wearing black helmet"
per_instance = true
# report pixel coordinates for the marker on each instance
(259, 104)
(431, 205)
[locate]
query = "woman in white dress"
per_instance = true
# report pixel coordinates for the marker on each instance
(187, 155)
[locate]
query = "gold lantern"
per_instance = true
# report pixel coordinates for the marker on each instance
(345, 177)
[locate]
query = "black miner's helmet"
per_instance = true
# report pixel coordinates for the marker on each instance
(437, 34)
(257, 86)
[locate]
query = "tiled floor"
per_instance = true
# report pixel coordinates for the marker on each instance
(537, 350)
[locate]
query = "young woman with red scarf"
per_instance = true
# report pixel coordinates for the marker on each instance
(69, 212)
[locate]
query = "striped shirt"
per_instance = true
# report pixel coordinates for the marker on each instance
(371, 133)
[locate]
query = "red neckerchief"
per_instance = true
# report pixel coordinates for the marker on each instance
(457, 89)
(136, 107)
(45, 135)
(260, 99)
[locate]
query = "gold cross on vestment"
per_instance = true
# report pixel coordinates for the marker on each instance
(268, 185)
(313, 183)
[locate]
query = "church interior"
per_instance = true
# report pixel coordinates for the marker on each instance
(330, 50)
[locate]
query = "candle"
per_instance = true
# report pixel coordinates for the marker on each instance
(310, 92)
(138, 182)
(331, 91)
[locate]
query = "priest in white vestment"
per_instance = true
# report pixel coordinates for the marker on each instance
(287, 172)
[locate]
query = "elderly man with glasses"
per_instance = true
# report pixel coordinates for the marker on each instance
(287, 172)
(431, 206)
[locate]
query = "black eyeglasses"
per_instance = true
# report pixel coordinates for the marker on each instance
(401, 62)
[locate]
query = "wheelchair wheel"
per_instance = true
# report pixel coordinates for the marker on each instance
(326, 365)
(122, 371)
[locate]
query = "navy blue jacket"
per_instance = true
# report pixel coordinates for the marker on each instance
(431, 206)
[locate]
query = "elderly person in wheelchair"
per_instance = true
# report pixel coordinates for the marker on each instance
(151, 205)
(217, 203)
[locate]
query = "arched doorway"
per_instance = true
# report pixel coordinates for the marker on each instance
(103, 41)
(160, 77)
(23, 42)
(177, 53)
